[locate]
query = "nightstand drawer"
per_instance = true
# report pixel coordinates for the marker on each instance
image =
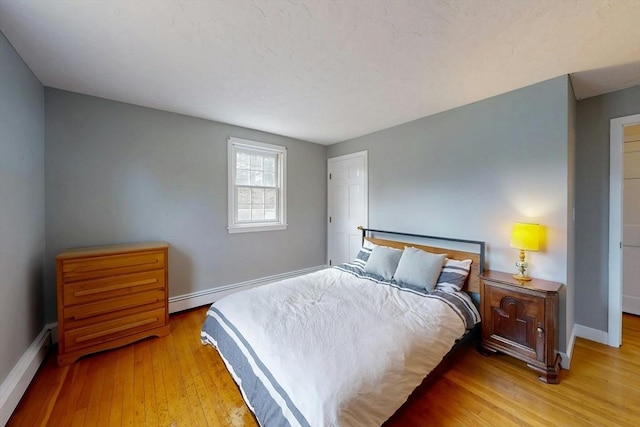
(104, 266)
(110, 287)
(113, 329)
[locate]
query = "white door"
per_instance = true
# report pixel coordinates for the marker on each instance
(347, 206)
(631, 221)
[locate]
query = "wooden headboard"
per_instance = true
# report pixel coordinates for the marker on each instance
(477, 266)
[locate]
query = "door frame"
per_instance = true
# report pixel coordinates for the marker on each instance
(365, 155)
(616, 141)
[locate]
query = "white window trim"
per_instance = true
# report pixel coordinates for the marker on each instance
(233, 227)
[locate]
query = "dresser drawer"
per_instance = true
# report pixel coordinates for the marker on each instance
(113, 329)
(111, 287)
(101, 311)
(110, 265)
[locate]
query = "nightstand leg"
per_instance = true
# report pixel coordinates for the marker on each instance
(549, 375)
(486, 352)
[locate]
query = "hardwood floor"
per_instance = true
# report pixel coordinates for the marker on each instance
(176, 381)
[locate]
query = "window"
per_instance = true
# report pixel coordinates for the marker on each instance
(257, 193)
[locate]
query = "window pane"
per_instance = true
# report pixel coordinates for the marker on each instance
(244, 196)
(242, 177)
(256, 178)
(257, 214)
(269, 164)
(257, 196)
(242, 161)
(270, 196)
(244, 214)
(270, 212)
(269, 179)
(256, 162)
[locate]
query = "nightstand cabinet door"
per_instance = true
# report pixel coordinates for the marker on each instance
(513, 321)
(520, 319)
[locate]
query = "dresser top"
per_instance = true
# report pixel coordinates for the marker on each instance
(111, 249)
(534, 284)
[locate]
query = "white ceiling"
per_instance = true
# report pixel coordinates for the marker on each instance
(322, 71)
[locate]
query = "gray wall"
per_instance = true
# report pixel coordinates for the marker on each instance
(121, 173)
(22, 219)
(472, 171)
(592, 201)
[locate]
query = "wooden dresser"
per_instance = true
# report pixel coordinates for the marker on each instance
(109, 296)
(521, 319)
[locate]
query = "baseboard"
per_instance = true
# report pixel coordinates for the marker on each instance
(54, 332)
(565, 363)
(591, 334)
(209, 296)
(631, 304)
(582, 332)
(16, 383)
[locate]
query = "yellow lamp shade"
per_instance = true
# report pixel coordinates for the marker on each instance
(525, 236)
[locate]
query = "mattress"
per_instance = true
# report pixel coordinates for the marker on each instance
(334, 348)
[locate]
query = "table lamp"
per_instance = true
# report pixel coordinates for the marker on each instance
(525, 237)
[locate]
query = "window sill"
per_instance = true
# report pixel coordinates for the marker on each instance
(255, 228)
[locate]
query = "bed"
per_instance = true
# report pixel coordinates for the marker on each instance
(347, 345)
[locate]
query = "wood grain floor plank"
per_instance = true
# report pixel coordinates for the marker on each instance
(191, 382)
(552, 403)
(176, 381)
(108, 381)
(115, 413)
(139, 403)
(64, 408)
(78, 417)
(128, 363)
(198, 392)
(90, 381)
(189, 400)
(198, 366)
(159, 388)
(490, 394)
(46, 391)
(174, 389)
(150, 402)
(92, 416)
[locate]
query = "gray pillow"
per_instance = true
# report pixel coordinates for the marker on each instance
(419, 268)
(383, 261)
(454, 274)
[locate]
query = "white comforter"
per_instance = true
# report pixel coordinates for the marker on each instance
(343, 350)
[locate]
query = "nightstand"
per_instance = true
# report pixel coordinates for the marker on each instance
(521, 320)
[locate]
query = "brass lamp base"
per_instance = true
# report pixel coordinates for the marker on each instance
(522, 267)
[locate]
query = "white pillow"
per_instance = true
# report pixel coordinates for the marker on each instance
(453, 275)
(383, 261)
(419, 268)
